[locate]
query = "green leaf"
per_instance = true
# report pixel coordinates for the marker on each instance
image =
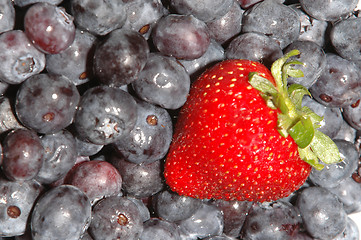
(308, 156)
(269, 100)
(284, 122)
(316, 119)
(291, 71)
(302, 132)
(324, 148)
(296, 92)
(262, 84)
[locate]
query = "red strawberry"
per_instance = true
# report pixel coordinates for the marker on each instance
(231, 143)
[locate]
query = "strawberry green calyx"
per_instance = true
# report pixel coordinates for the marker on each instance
(299, 122)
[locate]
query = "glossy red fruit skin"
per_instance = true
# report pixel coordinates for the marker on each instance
(226, 144)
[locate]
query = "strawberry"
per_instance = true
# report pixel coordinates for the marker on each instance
(243, 135)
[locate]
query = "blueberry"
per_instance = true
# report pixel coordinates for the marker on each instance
(24, 3)
(351, 115)
(75, 62)
(47, 102)
(159, 229)
(346, 132)
(173, 207)
(332, 174)
(313, 60)
(8, 120)
(255, 47)
(163, 81)
(142, 15)
(98, 17)
(274, 19)
(7, 21)
(213, 55)
(17, 200)
(85, 148)
(139, 180)
(97, 179)
(283, 216)
(349, 193)
(63, 207)
(351, 232)
(151, 136)
(206, 221)
(323, 214)
(181, 36)
(205, 10)
(23, 155)
(143, 209)
(120, 57)
(60, 156)
(345, 37)
(228, 26)
(330, 10)
(338, 85)
(311, 29)
(49, 27)
(21, 59)
(332, 117)
(234, 215)
(115, 218)
(105, 115)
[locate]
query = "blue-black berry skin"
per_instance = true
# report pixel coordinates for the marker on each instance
(181, 36)
(23, 155)
(348, 192)
(332, 174)
(160, 229)
(313, 59)
(173, 207)
(49, 27)
(205, 10)
(139, 180)
(345, 37)
(213, 55)
(329, 10)
(255, 47)
(272, 18)
(7, 21)
(323, 214)
(228, 26)
(151, 136)
(20, 58)
(75, 62)
(120, 57)
(98, 17)
(63, 212)
(234, 215)
(115, 218)
(47, 102)
(105, 115)
(60, 156)
(142, 15)
(206, 221)
(311, 29)
(283, 216)
(8, 120)
(24, 3)
(332, 117)
(163, 81)
(17, 201)
(338, 85)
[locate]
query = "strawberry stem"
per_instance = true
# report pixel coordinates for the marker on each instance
(294, 120)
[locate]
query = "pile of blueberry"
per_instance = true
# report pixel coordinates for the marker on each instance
(90, 92)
